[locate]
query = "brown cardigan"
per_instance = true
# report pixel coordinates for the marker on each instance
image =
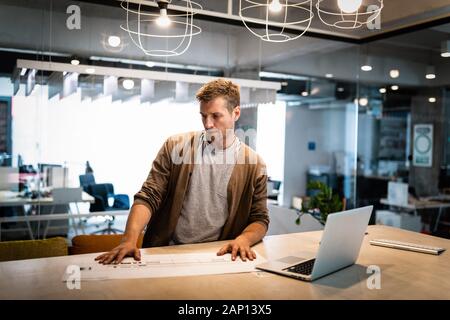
(164, 190)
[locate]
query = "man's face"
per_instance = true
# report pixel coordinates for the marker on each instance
(217, 118)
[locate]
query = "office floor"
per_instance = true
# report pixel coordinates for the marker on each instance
(97, 224)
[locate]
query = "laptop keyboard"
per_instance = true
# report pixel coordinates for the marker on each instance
(303, 267)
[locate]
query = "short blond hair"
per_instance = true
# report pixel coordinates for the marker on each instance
(220, 88)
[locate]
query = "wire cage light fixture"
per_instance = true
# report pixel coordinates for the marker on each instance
(161, 33)
(281, 14)
(286, 20)
(351, 14)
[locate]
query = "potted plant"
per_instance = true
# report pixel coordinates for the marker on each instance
(321, 204)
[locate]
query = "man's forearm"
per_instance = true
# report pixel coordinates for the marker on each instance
(254, 232)
(137, 220)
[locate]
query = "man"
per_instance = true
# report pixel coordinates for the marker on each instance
(203, 186)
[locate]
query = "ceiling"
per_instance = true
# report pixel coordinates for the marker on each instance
(224, 44)
(396, 16)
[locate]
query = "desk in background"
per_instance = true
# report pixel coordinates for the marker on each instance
(415, 205)
(43, 201)
(19, 201)
(404, 274)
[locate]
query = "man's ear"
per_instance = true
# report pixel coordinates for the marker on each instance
(237, 113)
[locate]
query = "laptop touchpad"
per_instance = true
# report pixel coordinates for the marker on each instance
(291, 259)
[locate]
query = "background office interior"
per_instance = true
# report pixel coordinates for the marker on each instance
(329, 120)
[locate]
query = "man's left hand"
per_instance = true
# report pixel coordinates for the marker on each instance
(239, 245)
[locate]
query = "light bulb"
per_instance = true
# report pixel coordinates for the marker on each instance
(363, 102)
(394, 88)
(128, 84)
(382, 90)
(163, 20)
(114, 41)
(349, 6)
(75, 62)
(304, 93)
(275, 6)
(432, 99)
(366, 67)
(394, 73)
(431, 73)
(329, 75)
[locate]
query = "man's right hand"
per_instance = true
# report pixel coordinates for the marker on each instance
(117, 254)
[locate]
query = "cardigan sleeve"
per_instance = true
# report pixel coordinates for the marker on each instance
(259, 211)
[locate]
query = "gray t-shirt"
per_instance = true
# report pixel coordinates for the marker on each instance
(205, 208)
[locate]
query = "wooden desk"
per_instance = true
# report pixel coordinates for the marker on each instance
(404, 275)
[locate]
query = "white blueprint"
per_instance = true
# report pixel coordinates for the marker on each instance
(165, 265)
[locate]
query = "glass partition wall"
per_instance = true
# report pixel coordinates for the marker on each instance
(86, 111)
(403, 130)
(81, 101)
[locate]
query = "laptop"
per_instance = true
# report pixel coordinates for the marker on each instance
(339, 248)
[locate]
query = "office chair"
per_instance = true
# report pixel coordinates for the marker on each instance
(83, 244)
(101, 193)
(86, 180)
(276, 184)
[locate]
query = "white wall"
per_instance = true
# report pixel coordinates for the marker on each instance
(331, 129)
(271, 137)
(120, 140)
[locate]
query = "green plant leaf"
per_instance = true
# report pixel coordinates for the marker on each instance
(324, 200)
